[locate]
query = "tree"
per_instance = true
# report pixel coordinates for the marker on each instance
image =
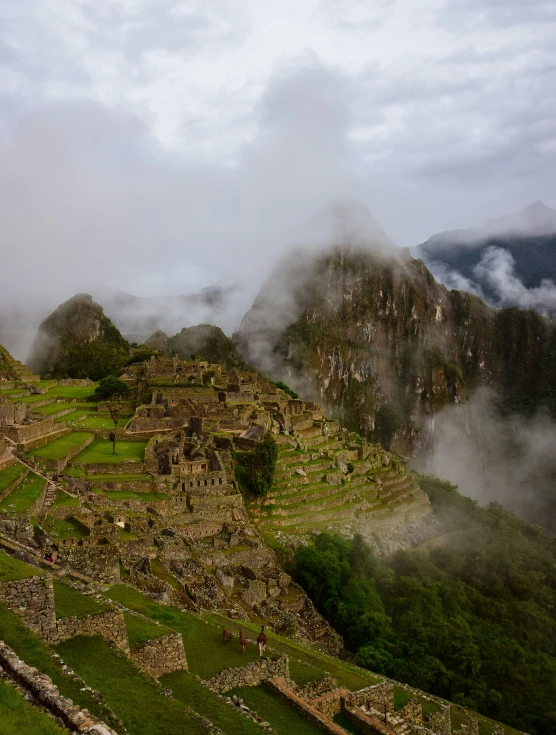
(112, 392)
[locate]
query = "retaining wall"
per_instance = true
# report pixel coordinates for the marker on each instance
(281, 689)
(13, 483)
(440, 721)
(57, 465)
(32, 600)
(251, 675)
(366, 724)
(109, 625)
(25, 433)
(161, 656)
(42, 689)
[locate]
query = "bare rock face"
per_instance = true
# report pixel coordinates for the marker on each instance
(78, 341)
(386, 344)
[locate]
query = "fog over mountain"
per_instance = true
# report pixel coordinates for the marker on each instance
(510, 261)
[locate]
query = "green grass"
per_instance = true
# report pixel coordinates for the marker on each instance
(35, 398)
(126, 535)
(100, 452)
(61, 391)
(283, 718)
(34, 652)
(100, 422)
(140, 631)
(59, 448)
(18, 716)
(23, 495)
(401, 697)
(69, 602)
(51, 408)
(127, 691)
(132, 495)
(63, 500)
(73, 416)
(303, 673)
(12, 569)
(203, 633)
(10, 474)
(187, 690)
(66, 528)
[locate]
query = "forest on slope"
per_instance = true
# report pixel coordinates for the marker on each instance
(471, 619)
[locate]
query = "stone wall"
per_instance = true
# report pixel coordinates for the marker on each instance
(109, 625)
(16, 527)
(32, 600)
(440, 721)
(330, 703)
(280, 688)
(98, 562)
(161, 656)
(60, 430)
(42, 689)
(12, 412)
(366, 724)
(38, 505)
(378, 696)
(122, 468)
(251, 675)
(6, 458)
(412, 712)
(27, 432)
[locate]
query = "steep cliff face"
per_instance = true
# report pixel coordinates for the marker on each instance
(77, 340)
(385, 343)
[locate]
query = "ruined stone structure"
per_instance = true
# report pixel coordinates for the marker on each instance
(161, 656)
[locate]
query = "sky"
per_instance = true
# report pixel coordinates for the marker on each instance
(159, 146)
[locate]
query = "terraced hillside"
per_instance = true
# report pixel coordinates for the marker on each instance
(112, 680)
(336, 482)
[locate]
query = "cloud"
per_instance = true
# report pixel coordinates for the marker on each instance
(497, 269)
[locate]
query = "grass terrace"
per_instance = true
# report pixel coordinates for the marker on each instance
(61, 447)
(100, 452)
(61, 391)
(12, 569)
(10, 474)
(23, 495)
(128, 692)
(108, 477)
(34, 652)
(19, 717)
(285, 720)
(140, 630)
(63, 500)
(51, 408)
(66, 528)
(69, 602)
(132, 495)
(97, 421)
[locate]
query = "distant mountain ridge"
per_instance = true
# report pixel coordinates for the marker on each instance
(510, 261)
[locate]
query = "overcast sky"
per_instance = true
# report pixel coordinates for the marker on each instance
(162, 145)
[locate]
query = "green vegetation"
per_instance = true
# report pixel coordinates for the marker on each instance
(66, 528)
(187, 690)
(255, 469)
(61, 447)
(471, 621)
(10, 474)
(100, 451)
(63, 500)
(69, 602)
(127, 691)
(97, 421)
(140, 630)
(12, 569)
(23, 495)
(133, 495)
(55, 407)
(112, 391)
(19, 717)
(34, 652)
(285, 388)
(285, 720)
(71, 391)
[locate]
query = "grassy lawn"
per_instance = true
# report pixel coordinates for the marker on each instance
(63, 500)
(97, 421)
(35, 398)
(19, 717)
(283, 718)
(59, 448)
(60, 391)
(34, 652)
(128, 692)
(23, 495)
(132, 495)
(66, 528)
(77, 415)
(186, 689)
(100, 451)
(12, 569)
(51, 408)
(140, 630)
(8, 475)
(126, 535)
(69, 602)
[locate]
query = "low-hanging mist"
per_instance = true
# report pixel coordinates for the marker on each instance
(496, 458)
